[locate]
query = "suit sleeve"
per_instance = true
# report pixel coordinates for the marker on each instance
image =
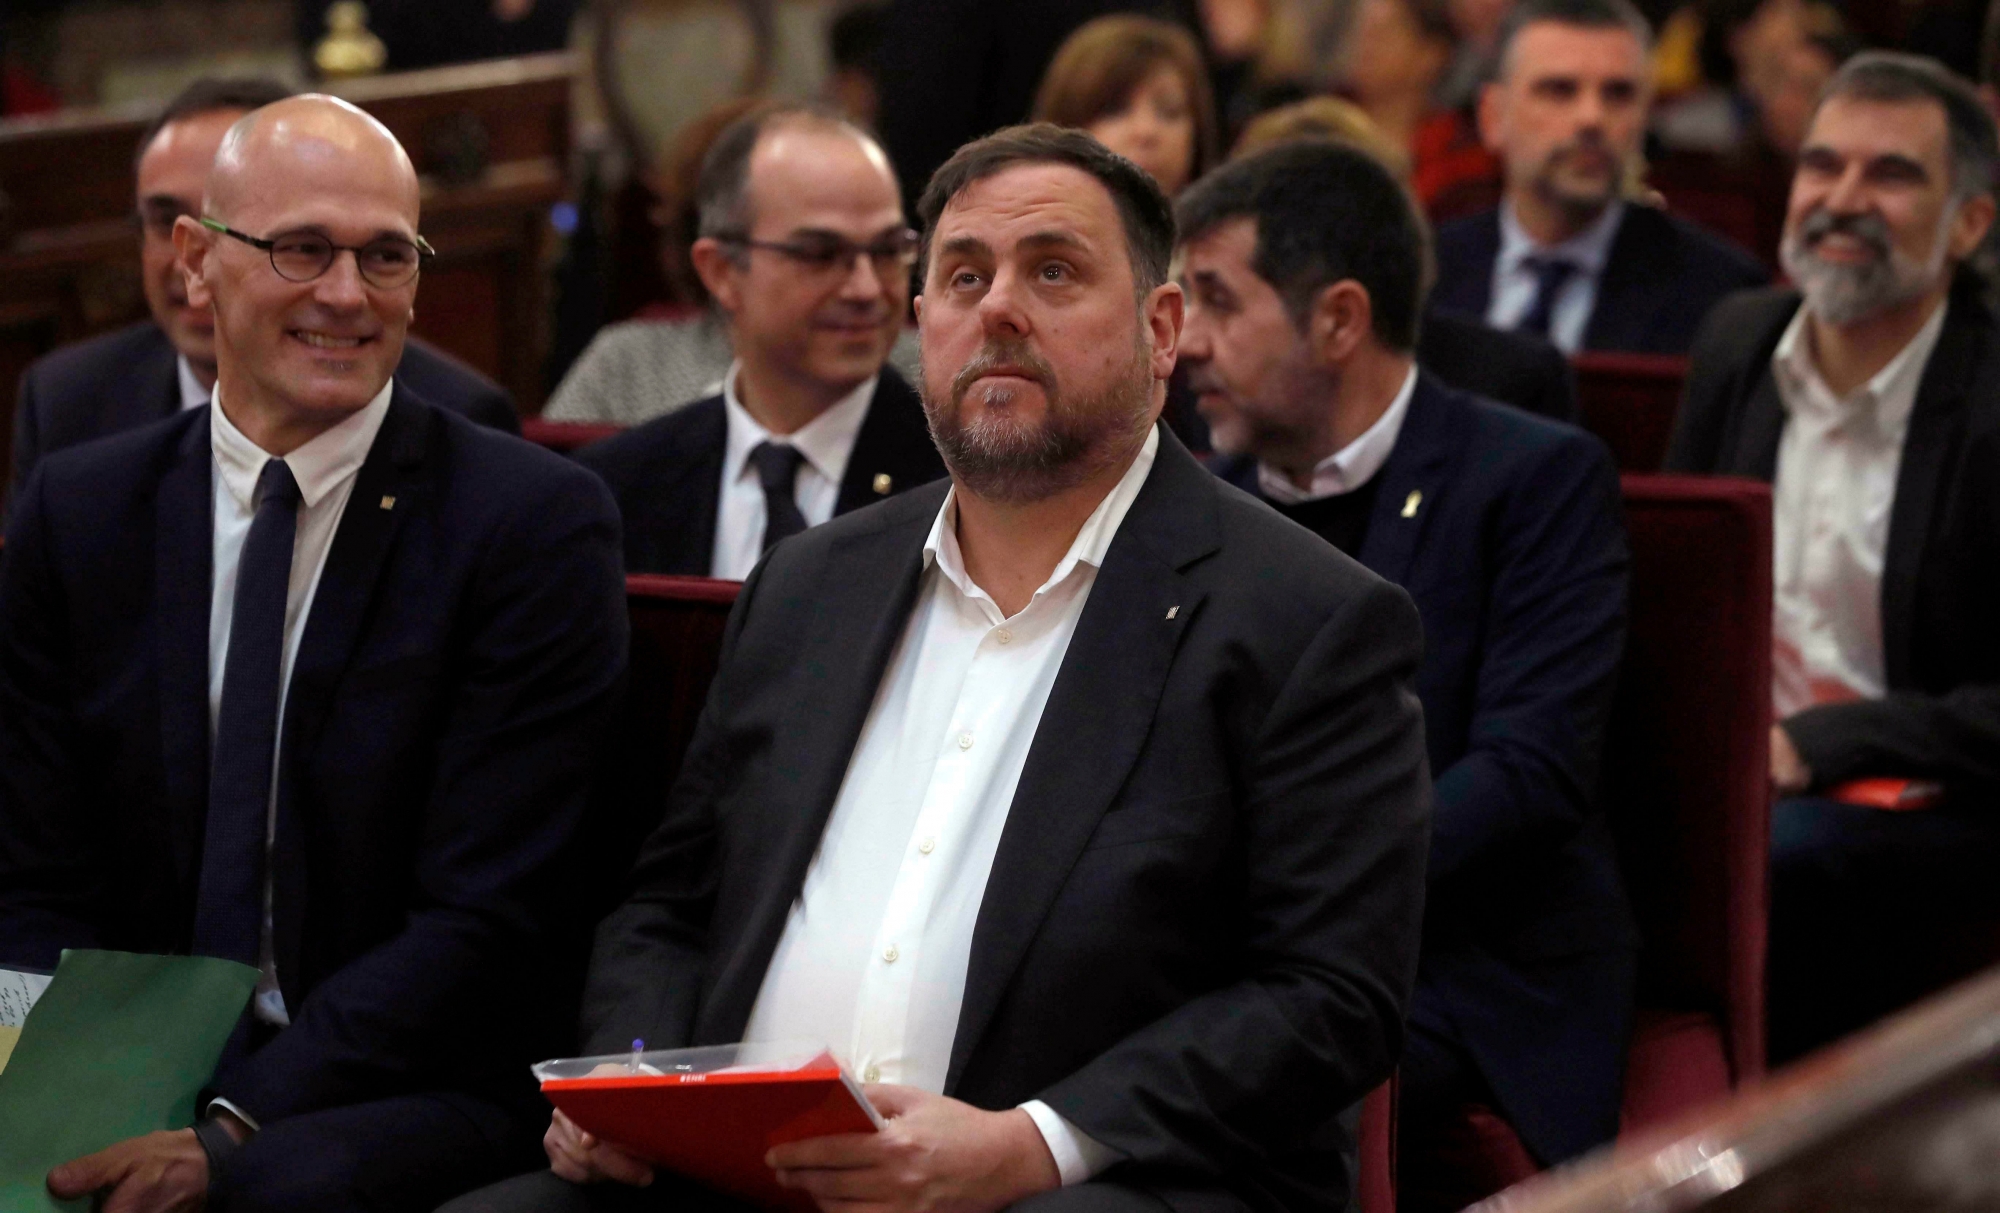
(27, 442)
(646, 967)
(494, 408)
(47, 875)
(453, 995)
(1334, 811)
(1547, 669)
(1558, 379)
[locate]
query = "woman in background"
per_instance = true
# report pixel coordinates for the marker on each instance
(1139, 87)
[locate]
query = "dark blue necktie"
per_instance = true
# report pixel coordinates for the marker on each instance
(229, 909)
(778, 469)
(1552, 274)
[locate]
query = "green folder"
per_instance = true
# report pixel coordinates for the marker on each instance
(118, 1046)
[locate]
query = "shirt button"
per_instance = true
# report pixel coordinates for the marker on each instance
(965, 741)
(890, 954)
(872, 1074)
(1004, 636)
(927, 846)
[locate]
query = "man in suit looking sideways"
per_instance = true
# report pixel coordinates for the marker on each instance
(1870, 397)
(1079, 803)
(1505, 529)
(151, 370)
(310, 679)
(805, 249)
(1565, 256)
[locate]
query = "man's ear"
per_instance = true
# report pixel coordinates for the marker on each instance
(1163, 314)
(1342, 318)
(718, 271)
(193, 243)
(1970, 225)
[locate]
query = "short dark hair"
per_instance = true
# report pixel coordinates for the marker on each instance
(722, 192)
(1325, 212)
(1586, 14)
(1147, 216)
(210, 94)
(1892, 76)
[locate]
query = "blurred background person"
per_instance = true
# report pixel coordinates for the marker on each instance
(1138, 86)
(853, 43)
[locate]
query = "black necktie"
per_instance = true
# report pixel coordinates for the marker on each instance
(1552, 274)
(229, 909)
(778, 469)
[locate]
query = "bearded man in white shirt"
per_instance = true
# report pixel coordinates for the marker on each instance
(1079, 804)
(1870, 397)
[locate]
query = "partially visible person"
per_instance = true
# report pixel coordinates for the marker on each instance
(1506, 530)
(804, 248)
(1565, 256)
(150, 370)
(1138, 86)
(1512, 367)
(311, 679)
(1870, 397)
(1396, 54)
(854, 44)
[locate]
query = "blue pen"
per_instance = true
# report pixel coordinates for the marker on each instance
(638, 1047)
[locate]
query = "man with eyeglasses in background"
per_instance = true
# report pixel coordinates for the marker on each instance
(804, 248)
(311, 678)
(150, 370)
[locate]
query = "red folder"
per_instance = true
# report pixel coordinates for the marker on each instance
(715, 1127)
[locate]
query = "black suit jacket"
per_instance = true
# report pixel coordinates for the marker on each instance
(1941, 573)
(1661, 277)
(1520, 369)
(667, 473)
(127, 378)
(461, 658)
(1507, 531)
(1199, 933)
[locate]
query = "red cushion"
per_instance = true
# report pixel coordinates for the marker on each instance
(1677, 1063)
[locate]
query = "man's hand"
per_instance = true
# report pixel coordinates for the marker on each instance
(1789, 773)
(935, 1155)
(584, 1158)
(157, 1173)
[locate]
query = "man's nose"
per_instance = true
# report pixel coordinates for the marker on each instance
(1849, 193)
(342, 285)
(862, 279)
(1002, 309)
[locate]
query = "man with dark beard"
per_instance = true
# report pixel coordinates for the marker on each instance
(1079, 804)
(1870, 397)
(1565, 256)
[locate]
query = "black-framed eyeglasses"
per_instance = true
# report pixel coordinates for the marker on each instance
(387, 261)
(828, 254)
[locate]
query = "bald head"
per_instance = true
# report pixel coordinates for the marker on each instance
(310, 137)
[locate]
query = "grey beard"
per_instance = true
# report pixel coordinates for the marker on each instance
(1846, 294)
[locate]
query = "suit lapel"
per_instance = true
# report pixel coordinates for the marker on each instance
(1412, 481)
(155, 386)
(684, 527)
(1096, 721)
(1628, 287)
(1468, 288)
(184, 551)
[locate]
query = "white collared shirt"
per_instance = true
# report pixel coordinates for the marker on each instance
(1514, 282)
(1353, 465)
(193, 395)
(826, 442)
(1838, 460)
(325, 469)
(873, 957)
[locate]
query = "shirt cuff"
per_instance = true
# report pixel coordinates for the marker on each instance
(1078, 1156)
(219, 1102)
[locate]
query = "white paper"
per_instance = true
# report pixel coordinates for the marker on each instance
(18, 992)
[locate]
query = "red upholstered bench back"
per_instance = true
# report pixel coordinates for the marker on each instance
(564, 436)
(1629, 400)
(1686, 780)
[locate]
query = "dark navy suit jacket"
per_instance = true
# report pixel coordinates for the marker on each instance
(1662, 275)
(124, 379)
(1507, 531)
(667, 473)
(462, 655)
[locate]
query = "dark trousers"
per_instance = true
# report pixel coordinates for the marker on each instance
(545, 1192)
(1871, 910)
(390, 1156)
(1440, 1164)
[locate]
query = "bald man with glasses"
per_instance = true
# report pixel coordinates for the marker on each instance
(310, 678)
(806, 254)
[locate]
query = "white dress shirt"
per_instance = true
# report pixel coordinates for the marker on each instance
(193, 395)
(325, 469)
(1838, 461)
(1514, 281)
(1353, 465)
(826, 442)
(873, 957)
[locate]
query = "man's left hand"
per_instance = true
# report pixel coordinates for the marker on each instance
(935, 1155)
(1789, 773)
(157, 1173)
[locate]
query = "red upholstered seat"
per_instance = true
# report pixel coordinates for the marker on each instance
(1629, 400)
(1686, 785)
(564, 436)
(1376, 1183)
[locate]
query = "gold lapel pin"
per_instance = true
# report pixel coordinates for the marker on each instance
(388, 503)
(1173, 611)
(1410, 503)
(882, 484)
